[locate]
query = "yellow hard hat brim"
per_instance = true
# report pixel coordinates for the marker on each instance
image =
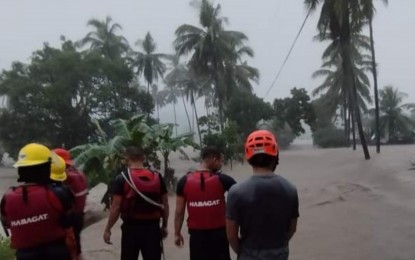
(61, 177)
(25, 163)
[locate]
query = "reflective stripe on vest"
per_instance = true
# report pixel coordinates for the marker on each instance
(36, 222)
(133, 205)
(79, 185)
(205, 202)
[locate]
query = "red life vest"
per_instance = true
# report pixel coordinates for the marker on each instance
(133, 205)
(206, 206)
(79, 185)
(36, 221)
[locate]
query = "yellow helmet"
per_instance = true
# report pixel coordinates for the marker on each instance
(57, 169)
(33, 154)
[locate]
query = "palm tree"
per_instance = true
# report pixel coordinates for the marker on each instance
(104, 38)
(239, 76)
(148, 63)
(211, 46)
(171, 93)
(338, 94)
(174, 79)
(369, 10)
(339, 19)
(159, 99)
(393, 121)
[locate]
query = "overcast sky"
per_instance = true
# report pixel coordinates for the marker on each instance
(271, 26)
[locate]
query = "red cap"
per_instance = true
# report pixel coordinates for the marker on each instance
(64, 154)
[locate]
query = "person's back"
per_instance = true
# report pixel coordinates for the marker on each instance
(140, 198)
(78, 184)
(266, 205)
(263, 208)
(202, 193)
(37, 206)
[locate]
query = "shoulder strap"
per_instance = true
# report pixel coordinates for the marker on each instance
(130, 182)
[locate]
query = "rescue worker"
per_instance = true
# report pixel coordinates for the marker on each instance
(202, 192)
(58, 176)
(78, 183)
(264, 208)
(140, 197)
(37, 212)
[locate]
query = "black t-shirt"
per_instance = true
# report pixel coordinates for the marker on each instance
(119, 184)
(264, 207)
(226, 180)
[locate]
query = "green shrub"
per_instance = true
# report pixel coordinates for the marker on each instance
(6, 252)
(329, 137)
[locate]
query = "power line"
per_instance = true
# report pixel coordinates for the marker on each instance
(288, 55)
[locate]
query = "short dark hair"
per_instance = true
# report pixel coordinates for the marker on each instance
(37, 173)
(134, 153)
(264, 161)
(210, 152)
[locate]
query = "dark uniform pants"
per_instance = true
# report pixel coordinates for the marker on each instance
(77, 229)
(209, 245)
(141, 236)
(52, 251)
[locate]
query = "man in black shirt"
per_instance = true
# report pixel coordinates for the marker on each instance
(202, 192)
(140, 197)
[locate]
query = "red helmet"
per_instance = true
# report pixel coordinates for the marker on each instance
(261, 142)
(65, 154)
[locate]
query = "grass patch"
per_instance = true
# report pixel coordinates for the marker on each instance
(6, 253)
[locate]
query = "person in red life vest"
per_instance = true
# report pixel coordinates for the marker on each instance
(78, 183)
(58, 176)
(262, 211)
(37, 212)
(139, 196)
(202, 192)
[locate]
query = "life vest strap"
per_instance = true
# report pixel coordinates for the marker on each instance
(131, 183)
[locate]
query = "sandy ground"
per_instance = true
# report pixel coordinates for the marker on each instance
(350, 208)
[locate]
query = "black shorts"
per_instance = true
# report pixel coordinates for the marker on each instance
(209, 244)
(141, 236)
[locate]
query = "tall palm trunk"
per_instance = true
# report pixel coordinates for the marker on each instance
(344, 114)
(345, 41)
(158, 112)
(187, 114)
(193, 116)
(197, 118)
(348, 126)
(353, 122)
(375, 85)
(219, 96)
(221, 115)
(175, 117)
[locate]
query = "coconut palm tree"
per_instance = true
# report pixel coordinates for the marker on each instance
(104, 38)
(210, 47)
(339, 20)
(148, 63)
(159, 99)
(174, 79)
(394, 122)
(369, 11)
(336, 93)
(171, 94)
